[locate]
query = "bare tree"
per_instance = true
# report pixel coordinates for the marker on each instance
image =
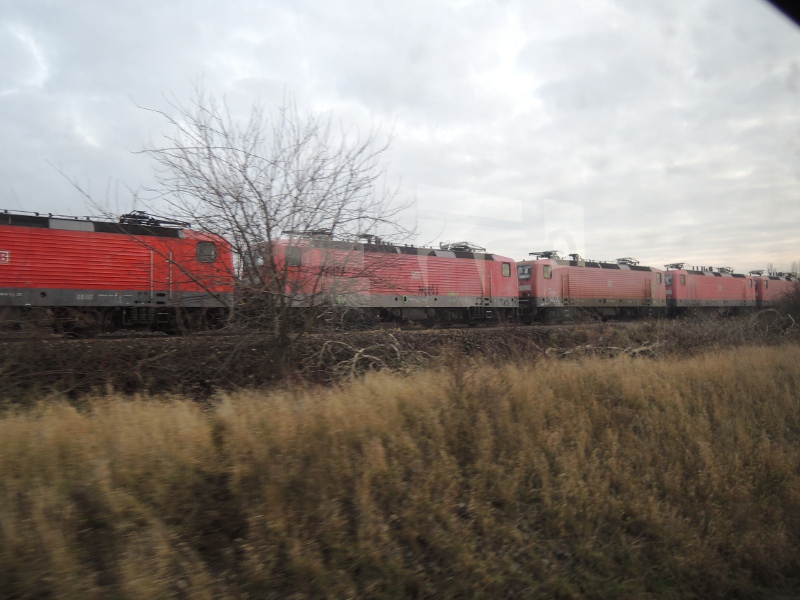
(279, 174)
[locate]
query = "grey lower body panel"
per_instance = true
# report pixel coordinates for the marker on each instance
(450, 308)
(599, 302)
(72, 298)
(416, 301)
(712, 303)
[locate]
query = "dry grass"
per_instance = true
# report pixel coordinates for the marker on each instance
(590, 478)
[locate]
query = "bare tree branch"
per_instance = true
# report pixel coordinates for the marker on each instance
(279, 171)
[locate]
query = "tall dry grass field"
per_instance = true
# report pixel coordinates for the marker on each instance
(592, 478)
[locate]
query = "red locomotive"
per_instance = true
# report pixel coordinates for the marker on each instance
(773, 287)
(706, 287)
(550, 286)
(86, 276)
(457, 283)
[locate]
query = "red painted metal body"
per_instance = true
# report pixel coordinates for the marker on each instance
(75, 264)
(401, 281)
(770, 289)
(51, 259)
(688, 288)
(608, 289)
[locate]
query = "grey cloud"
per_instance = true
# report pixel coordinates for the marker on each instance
(673, 125)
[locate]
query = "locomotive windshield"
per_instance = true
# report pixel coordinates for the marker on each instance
(206, 252)
(524, 272)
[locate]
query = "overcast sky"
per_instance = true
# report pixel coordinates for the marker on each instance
(662, 130)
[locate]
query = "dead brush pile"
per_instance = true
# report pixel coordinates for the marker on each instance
(587, 478)
(201, 366)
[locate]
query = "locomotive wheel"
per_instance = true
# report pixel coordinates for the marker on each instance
(188, 321)
(83, 322)
(107, 321)
(180, 323)
(432, 321)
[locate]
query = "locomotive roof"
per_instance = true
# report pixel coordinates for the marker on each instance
(787, 277)
(630, 265)
(707, 271)
(398, 249)
(713, 273)
(50, 221)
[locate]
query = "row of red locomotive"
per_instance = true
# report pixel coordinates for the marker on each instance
(549, 285)
(460, 283)
(142, 272)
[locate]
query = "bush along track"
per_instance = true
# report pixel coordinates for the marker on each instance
(200, 366)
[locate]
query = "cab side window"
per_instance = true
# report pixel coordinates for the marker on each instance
(294, 257)
(658, 277)
(548, 272)
(683, 279)
(206, 252)
(506, 269)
